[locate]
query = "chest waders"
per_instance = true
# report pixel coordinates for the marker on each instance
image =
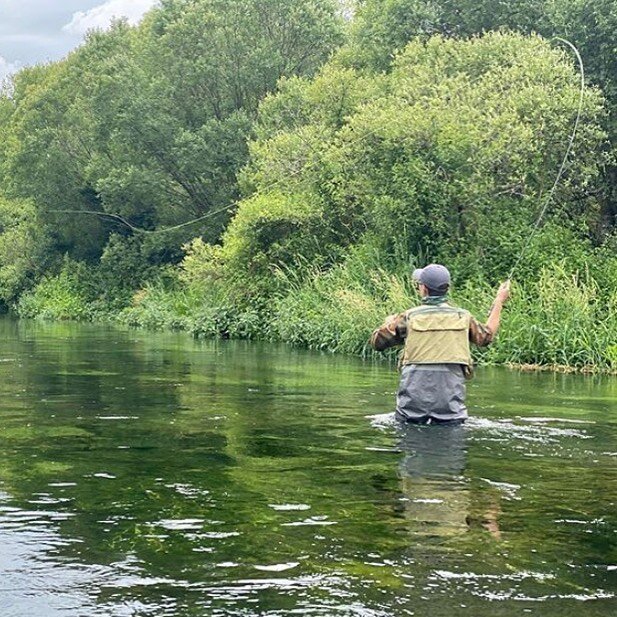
(438, 335)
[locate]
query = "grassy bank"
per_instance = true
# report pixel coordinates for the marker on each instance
(562, 320)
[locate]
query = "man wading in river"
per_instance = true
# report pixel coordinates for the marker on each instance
(436, 357)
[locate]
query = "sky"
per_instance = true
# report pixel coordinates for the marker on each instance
(34, 31)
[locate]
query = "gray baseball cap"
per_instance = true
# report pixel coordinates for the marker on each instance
(435, 276)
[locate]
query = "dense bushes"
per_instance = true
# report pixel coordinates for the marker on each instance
(24, 249)
(66, 295)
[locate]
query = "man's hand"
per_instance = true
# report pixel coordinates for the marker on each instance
(503, 293)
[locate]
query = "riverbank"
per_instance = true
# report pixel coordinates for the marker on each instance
(560, 368)
(563, 321)
(346, 178)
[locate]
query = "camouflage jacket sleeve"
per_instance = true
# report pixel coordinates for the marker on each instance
(391, 333)
(479, 334)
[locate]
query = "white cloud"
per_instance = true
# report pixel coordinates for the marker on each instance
(101, 16)
(6, 68)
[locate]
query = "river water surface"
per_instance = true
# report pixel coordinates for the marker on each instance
(150, 474)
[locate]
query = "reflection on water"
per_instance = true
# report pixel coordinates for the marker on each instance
(436, 495)
(149, 474)
(434, 452)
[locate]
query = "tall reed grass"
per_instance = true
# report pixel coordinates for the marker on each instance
(560, 320)
(564, 318)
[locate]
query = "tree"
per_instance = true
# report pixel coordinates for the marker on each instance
(151, 123)
(449, 156)
(385, 26)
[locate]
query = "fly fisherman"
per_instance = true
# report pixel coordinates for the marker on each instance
(436, 358)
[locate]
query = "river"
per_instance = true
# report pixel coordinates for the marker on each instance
(150, 474)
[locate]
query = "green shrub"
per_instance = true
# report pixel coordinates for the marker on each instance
(24, 249)
(124, 267)
(338, 309)
(276, 231)
(66, 295)
(197, 309)
(563, 319)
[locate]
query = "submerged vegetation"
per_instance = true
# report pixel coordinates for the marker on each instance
(274, 168)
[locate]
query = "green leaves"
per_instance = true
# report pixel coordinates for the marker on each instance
(450, 154)
(24, 249)
(151, 123)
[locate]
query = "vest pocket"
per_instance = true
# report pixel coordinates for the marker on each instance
(439, 337)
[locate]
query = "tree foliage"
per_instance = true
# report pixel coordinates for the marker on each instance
(151, 123)
(449, 156)
(24, 249)
(589, 24)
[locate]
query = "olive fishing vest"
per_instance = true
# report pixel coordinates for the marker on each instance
(437, 335)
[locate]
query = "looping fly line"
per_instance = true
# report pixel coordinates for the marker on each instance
(292, 173)
(562, 168)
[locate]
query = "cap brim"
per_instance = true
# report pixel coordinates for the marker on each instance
(417, 273)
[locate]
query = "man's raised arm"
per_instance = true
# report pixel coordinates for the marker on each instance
(391, 333)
